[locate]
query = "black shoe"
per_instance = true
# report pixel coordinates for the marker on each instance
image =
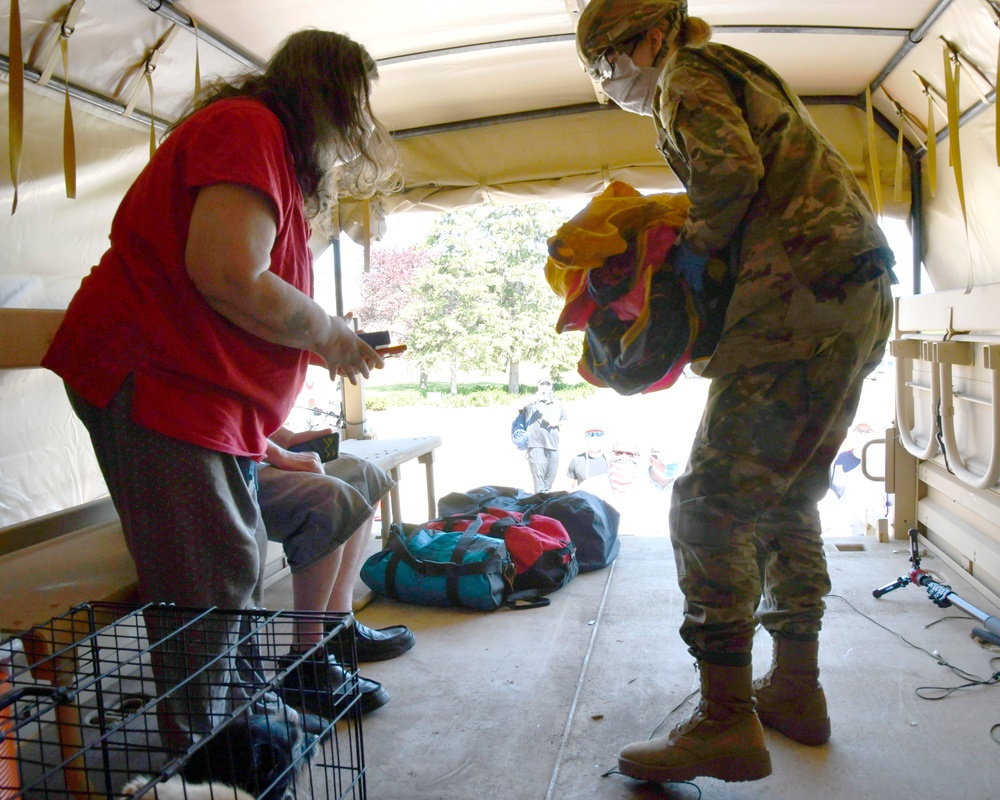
(320, 685)
(372, 645)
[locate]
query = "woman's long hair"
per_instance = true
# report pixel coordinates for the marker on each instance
(318, 84)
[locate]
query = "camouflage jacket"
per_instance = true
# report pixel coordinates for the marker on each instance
(765, 185)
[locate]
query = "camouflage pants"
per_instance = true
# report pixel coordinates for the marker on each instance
(744, 521)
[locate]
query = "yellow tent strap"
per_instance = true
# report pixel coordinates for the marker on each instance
(950, 95)
(875, 171)
(15, 98)
(69, 139)
(931, 145)
(933, 102)
(908, 118)
(976, 78)
(994, 9)
(132, 92)
(897, 183)
(58, 50)
(951, 83)
(197, 60)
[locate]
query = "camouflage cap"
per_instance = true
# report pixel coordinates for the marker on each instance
(603, 23)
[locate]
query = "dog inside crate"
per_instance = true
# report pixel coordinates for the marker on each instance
(176, 788)
(92, 696)
(253, 755)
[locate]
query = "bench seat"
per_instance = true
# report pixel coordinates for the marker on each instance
(52, 563)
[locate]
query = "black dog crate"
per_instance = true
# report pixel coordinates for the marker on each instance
(98, 703)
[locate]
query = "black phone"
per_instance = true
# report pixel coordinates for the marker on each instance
(375, 339)
(328, 446)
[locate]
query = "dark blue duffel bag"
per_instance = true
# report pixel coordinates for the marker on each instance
(592, 524)
(479, 499)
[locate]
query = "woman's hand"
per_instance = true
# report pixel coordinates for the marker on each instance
(280, 458)
(346, 354)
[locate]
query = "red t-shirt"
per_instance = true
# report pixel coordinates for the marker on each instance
(198, 377)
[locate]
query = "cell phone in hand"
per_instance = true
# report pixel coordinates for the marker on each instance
(390, 350)
(328, 446)
(375, 339)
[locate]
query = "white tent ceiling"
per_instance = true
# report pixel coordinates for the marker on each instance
(488, 99)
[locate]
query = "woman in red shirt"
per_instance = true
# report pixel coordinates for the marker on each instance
(185, 347)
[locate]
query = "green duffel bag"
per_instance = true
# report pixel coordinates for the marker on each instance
(437, 568)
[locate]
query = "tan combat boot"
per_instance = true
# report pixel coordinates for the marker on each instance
(789, 697)
(723, 738)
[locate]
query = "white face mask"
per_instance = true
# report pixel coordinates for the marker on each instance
(632, 87)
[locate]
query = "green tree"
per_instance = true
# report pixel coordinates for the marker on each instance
(483, 302)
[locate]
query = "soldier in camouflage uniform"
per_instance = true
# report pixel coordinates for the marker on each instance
(808, 320)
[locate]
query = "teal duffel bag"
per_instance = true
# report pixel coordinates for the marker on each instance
(438, 568)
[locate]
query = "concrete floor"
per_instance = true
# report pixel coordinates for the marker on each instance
(533, 705)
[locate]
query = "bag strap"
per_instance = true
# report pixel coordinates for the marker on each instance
(392, 565)
(448, 522)
(457, 558)
(439, 569)
(525, 599)
(498, 528)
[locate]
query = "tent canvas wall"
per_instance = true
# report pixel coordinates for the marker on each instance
(486, 100)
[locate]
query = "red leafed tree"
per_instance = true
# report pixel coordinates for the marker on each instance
(385, 288)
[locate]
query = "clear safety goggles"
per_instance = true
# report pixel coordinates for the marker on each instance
(601, 68)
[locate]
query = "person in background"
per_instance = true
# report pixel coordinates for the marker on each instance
(807, 320)
(623, 469)
(591, 461)
(186, 346)
(852, 495)
(322, 514)
(642, 505)
(661, 474)
(849, 458)
(545, 415)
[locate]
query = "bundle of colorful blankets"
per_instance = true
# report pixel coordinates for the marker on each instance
(642, 323)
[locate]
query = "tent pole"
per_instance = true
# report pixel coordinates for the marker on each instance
(916, 36)
(337, 276)
(352, 396)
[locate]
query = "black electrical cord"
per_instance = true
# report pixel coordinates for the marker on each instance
(939, 435)
(923, 692)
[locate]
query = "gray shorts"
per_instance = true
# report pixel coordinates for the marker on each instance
(312, 514)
